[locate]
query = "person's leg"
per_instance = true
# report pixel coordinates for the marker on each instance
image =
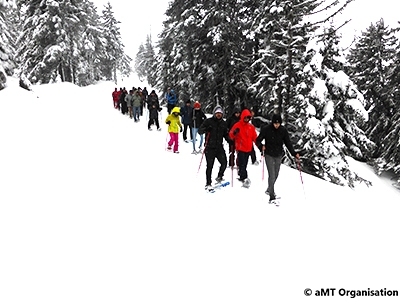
(232, 155)
(176, 142)
(210, 158)
(253, 155)
(185, 126)
(191, 131)
(194, 134)
(221, 156)
(273, 167)
(201, 139)
(243, 158)
(134, 114)
(171, 139)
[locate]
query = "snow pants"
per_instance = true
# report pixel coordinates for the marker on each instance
(174, 140)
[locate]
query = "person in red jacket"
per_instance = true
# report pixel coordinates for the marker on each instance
(244, 134)
(115, 96)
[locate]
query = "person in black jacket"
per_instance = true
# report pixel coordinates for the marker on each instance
(124, 105)
(198, 118)
(270, 141)
(216, 131)
(154, 107)
(186, 112)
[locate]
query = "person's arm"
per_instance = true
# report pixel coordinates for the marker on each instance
(289, 144)
(260, 139)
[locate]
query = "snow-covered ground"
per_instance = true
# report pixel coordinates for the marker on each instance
(93, 207)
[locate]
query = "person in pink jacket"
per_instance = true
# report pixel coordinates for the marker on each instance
(244, 134)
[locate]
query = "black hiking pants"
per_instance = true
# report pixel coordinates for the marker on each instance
(211, 155)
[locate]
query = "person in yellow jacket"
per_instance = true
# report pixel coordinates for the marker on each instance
(174, 127)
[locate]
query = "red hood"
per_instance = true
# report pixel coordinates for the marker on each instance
(245, 113)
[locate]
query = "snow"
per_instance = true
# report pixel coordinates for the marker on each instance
(93, 207)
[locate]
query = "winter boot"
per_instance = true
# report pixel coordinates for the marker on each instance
(209, 188)
(246, 183)
(219, 179)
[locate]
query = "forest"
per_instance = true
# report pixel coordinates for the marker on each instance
(273, 56)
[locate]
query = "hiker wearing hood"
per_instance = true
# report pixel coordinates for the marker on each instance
(270, 141)
(244, 133)
(171, 99)
(115, 96)
(174, 126)
(154, 107)
(216, 131)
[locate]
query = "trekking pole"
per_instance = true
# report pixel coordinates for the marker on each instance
(231, 159)
(204, 150)
(166, 140)
(262, 161)
(301, 177)
(194, 140)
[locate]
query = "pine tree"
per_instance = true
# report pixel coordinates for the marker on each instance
(370, 60)
(115, 59)
(205, 50)
(283, 34)
(335, 115)
(146, 62)
(389, 152)
(43, 42)
(90, 44)
(7, 63)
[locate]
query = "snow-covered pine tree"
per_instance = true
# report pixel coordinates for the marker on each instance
(334, 115)
(7, 64)
(369, 64)
(283, 34)
(146, 63)
(388, 104)
(40, 44)
(91, 45)
(206, 49)
(140, 63)
(115, 59)
(177, 44)
(282, 29)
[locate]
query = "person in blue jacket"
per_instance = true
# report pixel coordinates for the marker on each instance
(171, 100)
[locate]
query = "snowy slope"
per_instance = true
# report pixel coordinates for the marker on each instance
(93, 207)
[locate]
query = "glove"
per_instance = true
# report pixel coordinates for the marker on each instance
(181, 129)
(194, 118)
(235, 132)
(168, 122)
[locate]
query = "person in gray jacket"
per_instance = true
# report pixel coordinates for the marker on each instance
(136, 104)
(128, 99)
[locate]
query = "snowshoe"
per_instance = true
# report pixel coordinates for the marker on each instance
(246, 183)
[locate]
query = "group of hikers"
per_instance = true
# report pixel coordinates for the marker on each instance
(134, 102)
(237, 130)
